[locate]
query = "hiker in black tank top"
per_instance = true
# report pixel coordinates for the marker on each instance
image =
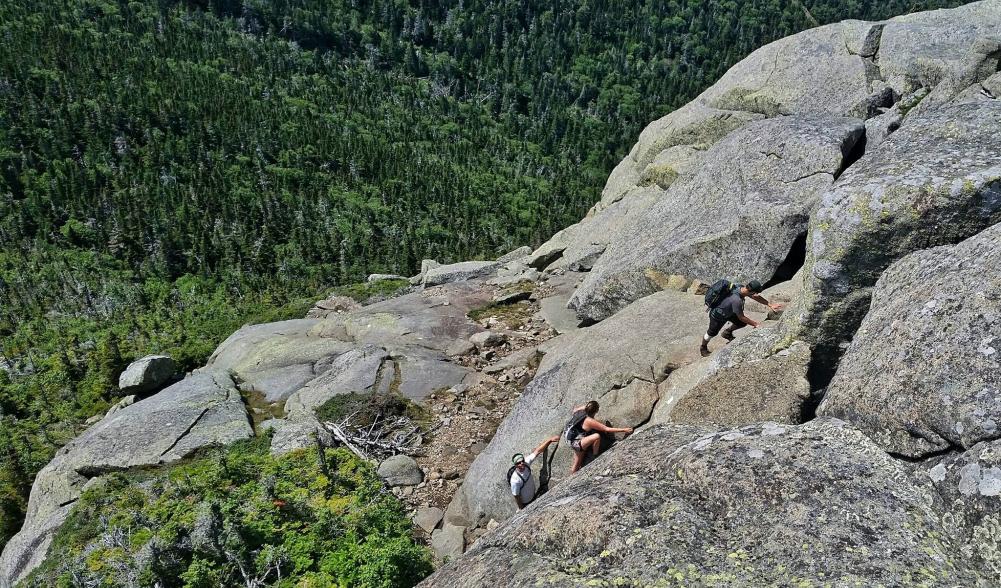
(583, 432)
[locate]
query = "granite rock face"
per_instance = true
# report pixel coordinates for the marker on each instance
(729, 508)
(922, 372)
(935, 181)
(737, 215)
(851, 69)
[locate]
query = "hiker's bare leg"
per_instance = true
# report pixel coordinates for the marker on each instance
(578, 459)
(592, 442)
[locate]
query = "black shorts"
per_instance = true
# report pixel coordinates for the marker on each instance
(716, 324)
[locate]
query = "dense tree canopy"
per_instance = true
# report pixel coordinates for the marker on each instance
(170, 169)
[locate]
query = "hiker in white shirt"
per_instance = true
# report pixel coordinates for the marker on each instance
(522, 483)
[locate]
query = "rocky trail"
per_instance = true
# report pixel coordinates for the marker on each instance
(851, 440)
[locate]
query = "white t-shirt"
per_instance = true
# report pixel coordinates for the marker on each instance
(522, 483)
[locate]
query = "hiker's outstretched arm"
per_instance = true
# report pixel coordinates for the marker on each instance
(595, 425)
(747, 320)
(542, 446)
(761, 299)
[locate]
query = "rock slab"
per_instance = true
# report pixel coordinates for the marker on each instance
(146, 374)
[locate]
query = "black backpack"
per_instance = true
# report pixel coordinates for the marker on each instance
(718, 292)
(510, 472)
(575, 426)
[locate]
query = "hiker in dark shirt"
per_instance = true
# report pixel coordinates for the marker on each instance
(731, 310)
(584, 433)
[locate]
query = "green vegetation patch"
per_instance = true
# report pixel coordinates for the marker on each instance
(365, 407)
(512, 315)
(238, 516)
(369, 292)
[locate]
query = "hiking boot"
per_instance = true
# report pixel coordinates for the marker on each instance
(728, 335)
(704, 348)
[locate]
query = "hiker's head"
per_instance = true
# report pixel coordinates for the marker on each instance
(518, 460)
(591, 408)
(752, 287)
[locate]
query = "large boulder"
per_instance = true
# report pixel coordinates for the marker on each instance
(202, 410)
(459, 272)
(921, 374)
(737, 216)
(921, 49)
(276, 359)
(146, 374)
(401, 470)
(935, 181)
(756, 379)
(764, 505)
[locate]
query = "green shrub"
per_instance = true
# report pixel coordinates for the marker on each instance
(233, 515)
(369, 292)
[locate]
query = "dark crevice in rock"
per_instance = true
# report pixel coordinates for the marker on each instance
(855, 152)
(932, 455)
(819, 373)
(792, 263)
(185, 433)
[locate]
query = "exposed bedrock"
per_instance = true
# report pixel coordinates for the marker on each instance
(737, 215)
(922, 373)
(763, 505)
(936, 181)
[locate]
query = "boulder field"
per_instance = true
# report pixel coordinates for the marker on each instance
(853, 439)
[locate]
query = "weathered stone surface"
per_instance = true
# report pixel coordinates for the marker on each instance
(297, 431)
(448, 541)
(515, 254)
(670, 164)
(587, 364)
(422, 372)
(970, 486)
(202, 410)
(434, 318)
(733, 508)
(527, 356)
(737, 216)
(401, 470)
(125, 401)
(751, 382)
(259, 348)
(920, 49)
(555, 312)
(937, 180)
(277, 384)
(357, 370)
(577, 247)
(921, 374)
(881, 126)
(459, 272)
(811, 72)
(332, 305)
(428, 517)
(979, 63)
(146, 374)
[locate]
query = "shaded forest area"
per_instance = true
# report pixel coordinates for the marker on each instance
(170, 170)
